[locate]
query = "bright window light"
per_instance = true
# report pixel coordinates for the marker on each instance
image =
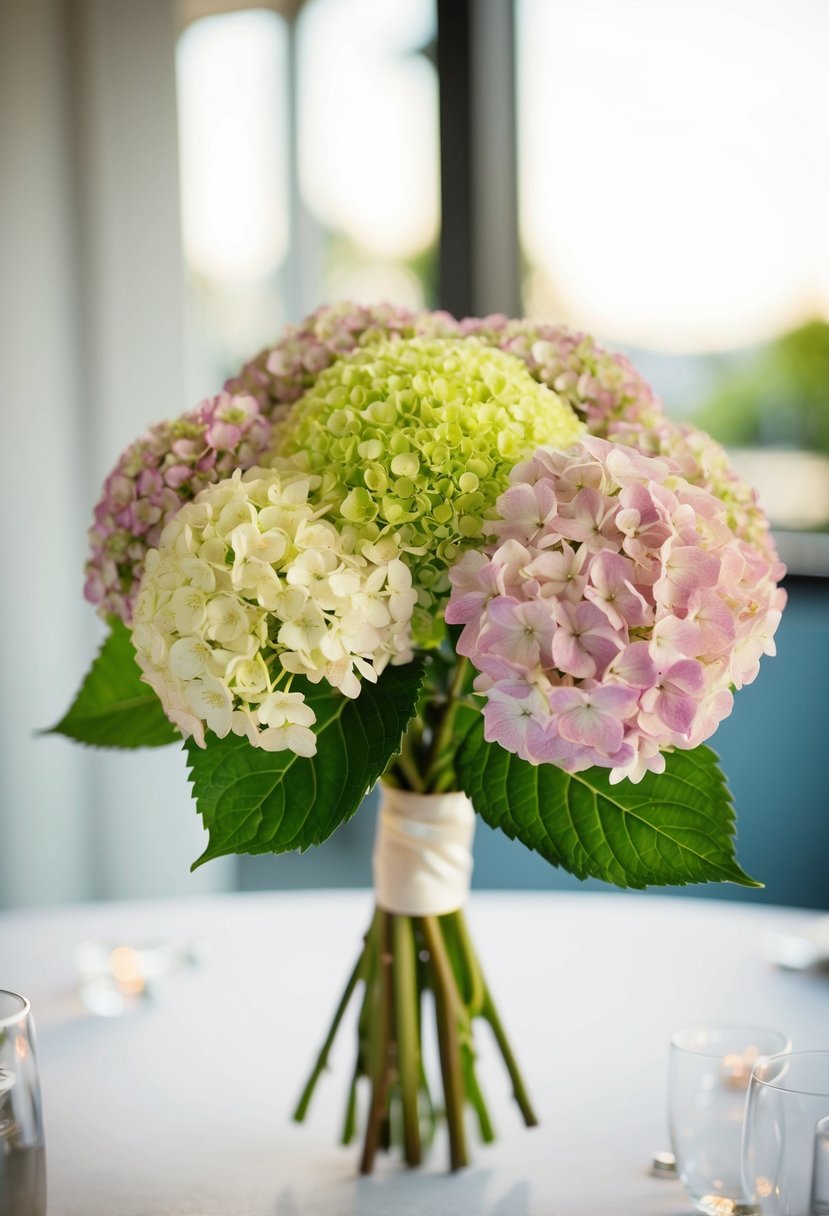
(369, 123)
(232, 81)
(674, 167)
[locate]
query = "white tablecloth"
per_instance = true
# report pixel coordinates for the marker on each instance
(181, 1108)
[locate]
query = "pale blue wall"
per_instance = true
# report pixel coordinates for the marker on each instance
(774, 748)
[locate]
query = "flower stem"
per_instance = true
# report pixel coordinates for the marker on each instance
(408, 766)
(446, 998)
(383, 1040)
(443, 733)
(403, 957)
(469, 967)
(470, 989)
(325, 1050)
(490, 1013)
(350, 1121)
(404, 973)
(476, 1098)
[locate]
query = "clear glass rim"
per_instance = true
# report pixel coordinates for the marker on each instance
(748, 1027)
(20, 1014)
(788, 1058)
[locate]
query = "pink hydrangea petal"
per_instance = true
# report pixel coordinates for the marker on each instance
(617, 699)
(520, 633)
(689, 567)
(590, 728)
(550, 748)
(223, 434)
(465, 608)
(672, 707)
(177, 475)
(673, 637)
(634, 665)
(715, 621)
(570, 657)
(687, 675)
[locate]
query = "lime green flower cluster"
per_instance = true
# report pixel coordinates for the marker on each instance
(418, 436)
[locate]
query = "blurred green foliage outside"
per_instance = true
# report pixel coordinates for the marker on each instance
(776, 395)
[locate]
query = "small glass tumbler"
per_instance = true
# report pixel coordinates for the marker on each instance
(710, 1070)
(786, 1135)
(22, 1159)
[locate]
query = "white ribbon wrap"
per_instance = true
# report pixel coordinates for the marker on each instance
(423, 852)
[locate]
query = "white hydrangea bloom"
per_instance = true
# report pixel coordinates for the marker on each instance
(251, 584)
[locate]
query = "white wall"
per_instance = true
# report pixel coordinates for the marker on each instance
(90, 352)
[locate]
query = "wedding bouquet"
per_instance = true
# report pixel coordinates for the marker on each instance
(470, 559)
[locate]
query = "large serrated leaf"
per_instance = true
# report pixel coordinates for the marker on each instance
(113, 707)
(668, 830)
(253, 801)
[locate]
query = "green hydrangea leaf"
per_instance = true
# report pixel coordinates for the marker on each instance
(113, 707)
(253, 801)
(668, 830)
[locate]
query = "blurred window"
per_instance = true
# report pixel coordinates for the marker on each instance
(368, 146)
(232, 72)
(674, 188)
(309, 168)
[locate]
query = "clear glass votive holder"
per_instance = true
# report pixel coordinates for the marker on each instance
(710, 1070)
(22, 1158)
(786, 1135)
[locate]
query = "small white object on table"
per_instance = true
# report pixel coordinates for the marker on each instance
(181, 1107)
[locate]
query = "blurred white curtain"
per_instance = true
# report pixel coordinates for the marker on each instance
(91, 350)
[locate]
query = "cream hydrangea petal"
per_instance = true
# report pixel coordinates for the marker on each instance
(297, 739)
(198, 573)
(211, 701)
(219, 638)
(249, 676)
(189, 606)
(190, 657)
(227, 619)
(281, 707)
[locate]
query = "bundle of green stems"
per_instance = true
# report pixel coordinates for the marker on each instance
(408, 962)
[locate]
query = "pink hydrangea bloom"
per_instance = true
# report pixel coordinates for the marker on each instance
(153, 478)
(174, 460)
(282, 373)
(703, 462)
(617, 403)
(602, 387)
(614, 611)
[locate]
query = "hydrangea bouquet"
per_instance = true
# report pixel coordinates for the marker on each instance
(472, 560)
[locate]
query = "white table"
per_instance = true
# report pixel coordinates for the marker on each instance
(181, 1108)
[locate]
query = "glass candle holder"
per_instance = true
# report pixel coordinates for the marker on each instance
(710, 1070)
(786, 1135)
(22, 1162)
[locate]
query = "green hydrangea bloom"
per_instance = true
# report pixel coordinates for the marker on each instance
(418, 437)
